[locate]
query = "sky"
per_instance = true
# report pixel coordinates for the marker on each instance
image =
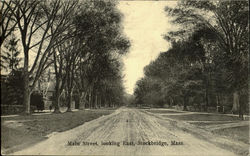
(144, 23)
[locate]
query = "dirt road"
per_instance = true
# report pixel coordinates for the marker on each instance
(128, 126)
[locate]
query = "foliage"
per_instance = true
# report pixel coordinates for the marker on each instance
(10, 57)
(88, 63)
(82, 39)
(36, 99)
(207, 56)
(14, 88)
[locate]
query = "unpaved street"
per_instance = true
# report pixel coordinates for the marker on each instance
(125, 125)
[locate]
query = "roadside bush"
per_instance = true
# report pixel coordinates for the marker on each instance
(14, 88)
(36, 100)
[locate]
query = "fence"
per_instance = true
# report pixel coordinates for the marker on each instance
(13, 109)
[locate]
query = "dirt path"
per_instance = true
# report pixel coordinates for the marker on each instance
(129, 125)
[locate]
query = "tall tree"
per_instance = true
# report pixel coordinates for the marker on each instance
(99, 30)
(10, 58)
(228, 20)
(7, 21)
(39, 24)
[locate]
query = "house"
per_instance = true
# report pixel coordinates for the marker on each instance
(48, 94)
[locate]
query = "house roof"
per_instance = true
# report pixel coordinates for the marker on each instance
(50, 86)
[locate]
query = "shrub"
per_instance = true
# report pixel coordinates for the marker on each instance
(36, 99)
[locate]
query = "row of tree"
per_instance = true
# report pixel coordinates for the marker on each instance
(81, 41)
(208, 61)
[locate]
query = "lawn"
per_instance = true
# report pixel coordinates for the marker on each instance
(162, 111)
(237, 133)
(211, 123)
(22, 131)
(203, 117)
(240, 133)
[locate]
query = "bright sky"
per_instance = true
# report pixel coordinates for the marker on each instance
(145, 23)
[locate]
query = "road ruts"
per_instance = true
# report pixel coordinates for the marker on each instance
(130, 125)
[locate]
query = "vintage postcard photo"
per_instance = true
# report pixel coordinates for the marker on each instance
(125, 77)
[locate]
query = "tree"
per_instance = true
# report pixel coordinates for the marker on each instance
(39, 24)
(7, 21)
(65, 58)
(10, 57)
(14, 87)
(176, 76)
(84, 61)
(228, 21)
(99, 30)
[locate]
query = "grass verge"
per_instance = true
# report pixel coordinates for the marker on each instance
(22, 131)
(203, 117)
(240, 133)
(163, 111)
(222, 140)
(201, 124)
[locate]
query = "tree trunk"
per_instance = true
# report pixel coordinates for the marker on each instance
(90, 97)
(207, 91)
(171, 102)
(105, 102)
(241, 107)
(69, 100)
(218, 100)
(26, 99)
(82, 101)
(100, 102)
(241, 116)
(185, 103)
(96, 102)
(57, 92)
(56, 103)
(57, 97)
(26, 92)
(206, 99)
(109, 102)
(235, 107)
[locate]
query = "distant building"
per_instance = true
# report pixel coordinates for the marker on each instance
(46, 85)
(48, 94)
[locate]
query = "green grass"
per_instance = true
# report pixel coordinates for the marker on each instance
(28, 130)
(203, 117)
(237, 133)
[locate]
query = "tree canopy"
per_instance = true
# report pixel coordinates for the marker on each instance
(208, 54)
